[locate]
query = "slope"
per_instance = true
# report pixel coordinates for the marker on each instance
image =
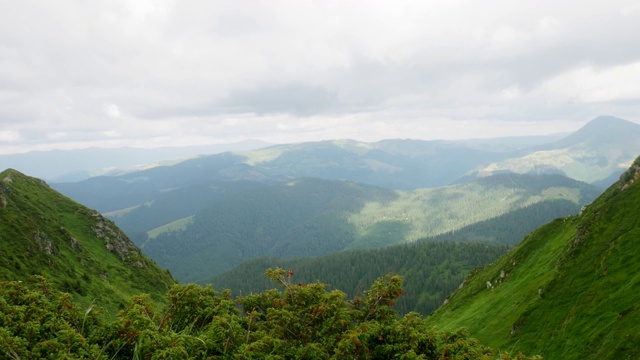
(432, 268)
(568, 291)
(312, 217)
(78, 250)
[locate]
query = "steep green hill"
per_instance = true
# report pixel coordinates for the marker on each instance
(568, 291)
(77, 249)
(312, 217)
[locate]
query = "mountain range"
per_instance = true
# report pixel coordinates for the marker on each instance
(230, 207)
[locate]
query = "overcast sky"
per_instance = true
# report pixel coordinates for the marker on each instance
(149, 73)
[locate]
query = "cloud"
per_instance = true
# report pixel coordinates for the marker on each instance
(296, 99)
(154, 71)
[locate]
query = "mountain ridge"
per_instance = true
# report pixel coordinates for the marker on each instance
(76, 248)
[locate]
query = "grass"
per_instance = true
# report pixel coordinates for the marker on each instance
(570, 289)
(45, 233)
(430, 212)
(177, 225)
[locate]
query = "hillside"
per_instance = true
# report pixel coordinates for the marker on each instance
(431, 271)
(432, 268)
(140, 201)
(75, 248)
(313, 217)
(597, 153)
(568, 291)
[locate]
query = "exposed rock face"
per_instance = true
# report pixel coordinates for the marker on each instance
(631, 175)
(115, 240)
(44, 243)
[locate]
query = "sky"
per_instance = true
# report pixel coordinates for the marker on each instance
(152, 73)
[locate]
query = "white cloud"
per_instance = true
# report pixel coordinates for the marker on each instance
(9, 136)
(588, 84)
(161, 71)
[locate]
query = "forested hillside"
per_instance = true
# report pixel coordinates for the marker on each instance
(568, 291)
(75, 248)
(313, 217)
(432, 268)
(431, 271)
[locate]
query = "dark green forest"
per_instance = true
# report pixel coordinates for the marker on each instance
(431, 271)
(313, 217)
(432, 268)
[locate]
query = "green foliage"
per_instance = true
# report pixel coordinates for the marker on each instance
(296, 322)
(38, 322)
(568, 291)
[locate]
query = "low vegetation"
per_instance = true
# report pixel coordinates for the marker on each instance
(294, 322)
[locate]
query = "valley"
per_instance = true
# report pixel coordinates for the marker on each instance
(514, 241)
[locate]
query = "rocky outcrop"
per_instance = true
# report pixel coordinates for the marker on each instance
(115, 240)
(631, 175)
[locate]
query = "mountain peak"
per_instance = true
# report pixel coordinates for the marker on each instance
(607, 125)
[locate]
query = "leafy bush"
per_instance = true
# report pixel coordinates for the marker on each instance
(296, 322)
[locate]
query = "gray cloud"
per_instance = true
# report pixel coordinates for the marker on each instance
(296, 99)
(107, 73)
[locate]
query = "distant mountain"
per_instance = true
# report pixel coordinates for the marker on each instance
(311, 217)
(568, 291)
(77, 165)
(597, 153)
(77, 249)
(394, 164)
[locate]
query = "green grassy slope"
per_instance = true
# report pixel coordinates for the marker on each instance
(568, 291)
(78, 250)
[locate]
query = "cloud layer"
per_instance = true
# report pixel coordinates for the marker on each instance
(162, 72)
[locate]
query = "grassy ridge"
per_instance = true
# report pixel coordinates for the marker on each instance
(568, 291)
(81, 252)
